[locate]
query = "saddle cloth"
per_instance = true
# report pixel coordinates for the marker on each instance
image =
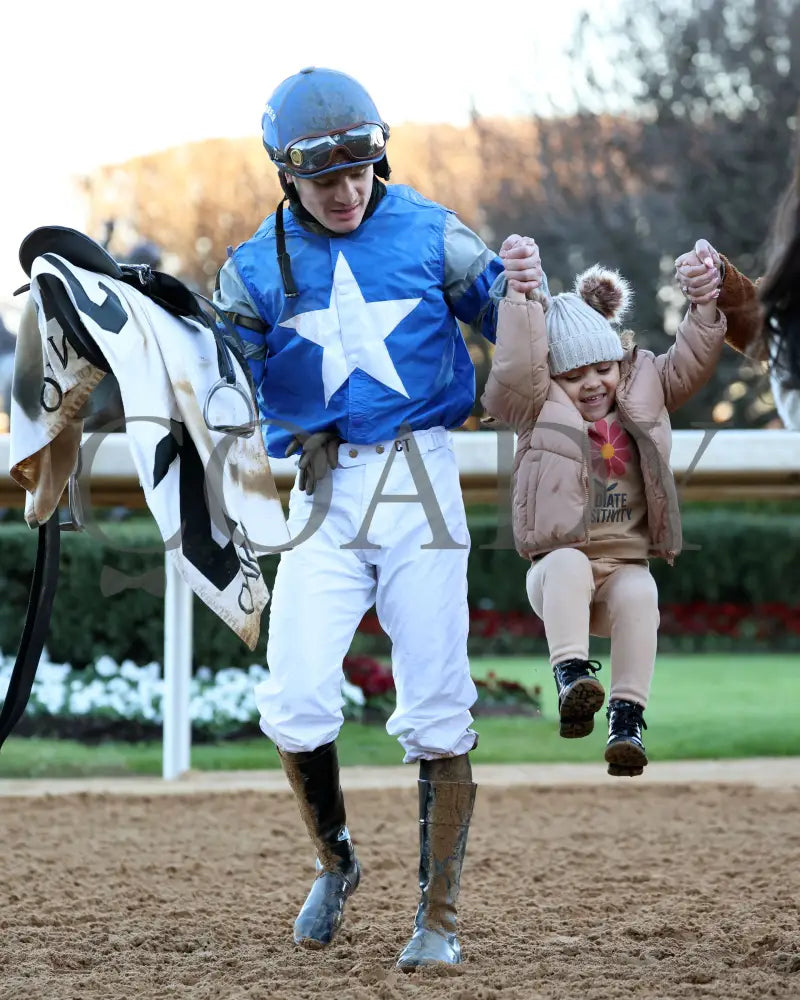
(211, 493)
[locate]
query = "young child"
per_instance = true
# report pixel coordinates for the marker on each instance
(594, 496)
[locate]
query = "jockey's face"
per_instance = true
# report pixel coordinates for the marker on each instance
(593, 388)
(337, 200)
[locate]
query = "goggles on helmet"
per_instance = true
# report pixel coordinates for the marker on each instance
(311, 155)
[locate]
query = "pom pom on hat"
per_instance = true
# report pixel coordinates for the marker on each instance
(605, 291)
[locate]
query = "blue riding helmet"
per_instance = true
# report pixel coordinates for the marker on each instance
(318, 113)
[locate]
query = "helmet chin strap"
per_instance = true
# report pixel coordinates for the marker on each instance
(284, 261)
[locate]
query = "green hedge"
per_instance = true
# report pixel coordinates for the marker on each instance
(741, 556)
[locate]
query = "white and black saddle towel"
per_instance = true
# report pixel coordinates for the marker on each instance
(211, 492)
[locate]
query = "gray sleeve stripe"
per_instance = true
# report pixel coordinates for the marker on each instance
(465, 257)
(231, 294)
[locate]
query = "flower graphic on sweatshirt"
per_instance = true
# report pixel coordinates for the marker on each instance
(610, 448)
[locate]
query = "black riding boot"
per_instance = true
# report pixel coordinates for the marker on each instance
(314, 778)
(446, 798)
(625, 751)
(580, 695)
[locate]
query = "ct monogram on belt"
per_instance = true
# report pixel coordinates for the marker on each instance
(401, 444)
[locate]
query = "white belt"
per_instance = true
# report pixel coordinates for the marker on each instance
(358, 454)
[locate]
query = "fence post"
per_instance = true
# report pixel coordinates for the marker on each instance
(177, 673)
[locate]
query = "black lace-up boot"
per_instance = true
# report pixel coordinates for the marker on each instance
(625, 751)
(446, 798)
(580, 695)
(314, 778)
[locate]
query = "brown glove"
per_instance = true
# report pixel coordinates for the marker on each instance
(320, 452)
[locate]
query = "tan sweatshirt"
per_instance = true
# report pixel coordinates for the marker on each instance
(618, 524)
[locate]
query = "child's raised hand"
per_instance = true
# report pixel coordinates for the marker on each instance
(698, 273)
(522, 263)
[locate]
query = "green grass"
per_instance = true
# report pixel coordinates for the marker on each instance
(708, 706)
(701, 707)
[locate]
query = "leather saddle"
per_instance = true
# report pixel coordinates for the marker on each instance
(165, 290)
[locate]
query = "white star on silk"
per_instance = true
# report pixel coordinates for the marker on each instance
(351, 332)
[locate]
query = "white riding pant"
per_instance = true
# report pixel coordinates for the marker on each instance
(325, 584)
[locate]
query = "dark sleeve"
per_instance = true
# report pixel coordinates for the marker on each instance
(738, 299)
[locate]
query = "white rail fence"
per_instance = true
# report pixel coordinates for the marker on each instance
(727, 464)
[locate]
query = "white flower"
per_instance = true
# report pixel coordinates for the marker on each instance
(152, 671)
(150, 699)
(106, 667)
(126, 691)
(48, 695)
(52, 672)
(130, 671)
(79, 702)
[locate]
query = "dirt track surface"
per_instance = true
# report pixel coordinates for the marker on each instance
(595, 891)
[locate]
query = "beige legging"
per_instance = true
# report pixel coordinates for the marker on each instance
(575, 596)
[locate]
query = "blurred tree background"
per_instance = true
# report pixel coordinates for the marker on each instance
(682, 124)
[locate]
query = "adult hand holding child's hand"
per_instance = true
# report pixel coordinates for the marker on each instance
(522, 263)
(699, 274)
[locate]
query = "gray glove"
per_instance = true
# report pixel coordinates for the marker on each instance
(320, 452)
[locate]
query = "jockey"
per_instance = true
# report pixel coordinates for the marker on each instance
(348, 305)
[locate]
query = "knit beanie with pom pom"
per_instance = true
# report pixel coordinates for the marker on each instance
(579, 330)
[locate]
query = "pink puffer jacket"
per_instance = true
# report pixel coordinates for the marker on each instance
(551, 496)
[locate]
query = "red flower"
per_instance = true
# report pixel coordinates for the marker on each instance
(610, 448)
(372, 677)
